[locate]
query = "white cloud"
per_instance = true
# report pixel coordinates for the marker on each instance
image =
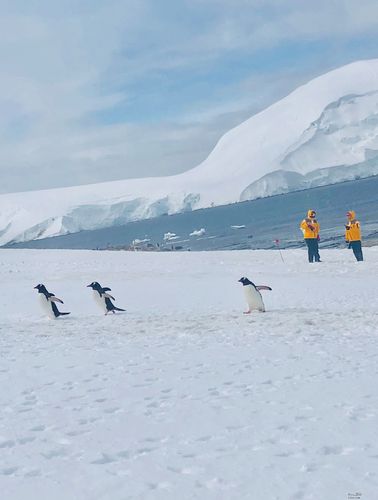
(64, 65)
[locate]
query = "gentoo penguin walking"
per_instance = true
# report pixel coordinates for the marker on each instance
(253, 295)
(103, 299)
(48, 302)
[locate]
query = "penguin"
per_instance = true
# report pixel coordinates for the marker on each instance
(102, 298)
(253, 295)
(48, 302)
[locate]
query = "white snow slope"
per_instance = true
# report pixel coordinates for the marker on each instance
(184, 397)
(324, 131)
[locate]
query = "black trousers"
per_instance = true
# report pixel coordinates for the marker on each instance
(313, 249)
(357, 250)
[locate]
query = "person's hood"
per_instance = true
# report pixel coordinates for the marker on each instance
(309, 214)
(351, 214)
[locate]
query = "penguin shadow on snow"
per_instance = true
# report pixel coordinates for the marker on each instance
(48, 302)
(103, 299)
(253, 296)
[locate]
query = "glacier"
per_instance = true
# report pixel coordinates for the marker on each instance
(324, 132)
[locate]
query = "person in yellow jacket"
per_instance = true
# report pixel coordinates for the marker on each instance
(353, 235)
(310, 228)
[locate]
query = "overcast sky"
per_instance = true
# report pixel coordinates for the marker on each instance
(96, 90)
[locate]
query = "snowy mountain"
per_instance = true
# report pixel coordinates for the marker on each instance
(324, 132)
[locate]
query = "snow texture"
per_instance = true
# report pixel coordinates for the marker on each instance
(184, 396)
(327, 128)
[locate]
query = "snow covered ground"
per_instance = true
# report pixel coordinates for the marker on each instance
(183, 396)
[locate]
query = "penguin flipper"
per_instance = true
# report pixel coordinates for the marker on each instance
(108, 296)
(55, 299)
(263, 287)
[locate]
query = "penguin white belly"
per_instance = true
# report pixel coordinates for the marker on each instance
(253, 298)
(46, 306)
(100, 301)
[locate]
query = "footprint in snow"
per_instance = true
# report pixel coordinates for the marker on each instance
(9, 471)
(27, 439)
(114, 409)
(54, 453)
(38, 428)
(104, 459)
(33, 473)
(7, 444)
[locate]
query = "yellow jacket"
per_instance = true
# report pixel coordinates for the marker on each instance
(352, 228)
(310, 226)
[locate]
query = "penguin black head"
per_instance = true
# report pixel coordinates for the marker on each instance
(245, 281)
(94, 285)
(42, 289)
